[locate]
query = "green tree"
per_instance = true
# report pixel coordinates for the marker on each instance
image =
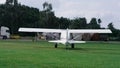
(12, 2)
(110, 26)
(9, 2)
(93, 24)
(14, 16)
(15, 2)
(63, 23)
(78, 23)
(47, 17)
(47, 7)
(99, 21)
(115, 32)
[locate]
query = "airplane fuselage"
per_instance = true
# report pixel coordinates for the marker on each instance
(65, 36)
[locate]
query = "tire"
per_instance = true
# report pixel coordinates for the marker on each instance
(4, 37)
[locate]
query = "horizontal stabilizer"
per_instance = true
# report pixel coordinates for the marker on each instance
(72, 41)
(58, 41)
(69, 41)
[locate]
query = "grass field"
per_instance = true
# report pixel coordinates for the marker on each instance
(27, 54)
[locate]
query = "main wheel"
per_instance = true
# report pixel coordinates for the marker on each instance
(56, 45)
(72, 45)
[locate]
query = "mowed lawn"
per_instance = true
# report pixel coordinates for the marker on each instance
(28, 54)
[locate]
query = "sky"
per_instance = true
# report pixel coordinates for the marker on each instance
(107, 10)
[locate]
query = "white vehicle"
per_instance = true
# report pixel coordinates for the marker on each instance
(65, 34)
(4, 32)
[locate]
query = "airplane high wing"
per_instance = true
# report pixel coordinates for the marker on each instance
(90, 31)
(65, 34)
(39, 30)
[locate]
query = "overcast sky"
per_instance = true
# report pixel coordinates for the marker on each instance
(107, 10)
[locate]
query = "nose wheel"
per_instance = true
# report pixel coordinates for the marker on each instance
(72, 46)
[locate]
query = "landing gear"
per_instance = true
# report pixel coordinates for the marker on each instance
(72, 45)
(56, 45)
(66, 46)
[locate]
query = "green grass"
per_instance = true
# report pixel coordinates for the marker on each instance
(27, 54)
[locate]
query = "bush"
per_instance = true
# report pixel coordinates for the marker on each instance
(14, 37)
(114, 38)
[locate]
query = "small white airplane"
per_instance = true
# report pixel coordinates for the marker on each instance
(65, 34)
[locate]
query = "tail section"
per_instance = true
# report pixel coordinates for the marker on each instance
(71, 41)
(64, 41)
(58, 41)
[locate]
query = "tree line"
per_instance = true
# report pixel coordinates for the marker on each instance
(15, 15)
